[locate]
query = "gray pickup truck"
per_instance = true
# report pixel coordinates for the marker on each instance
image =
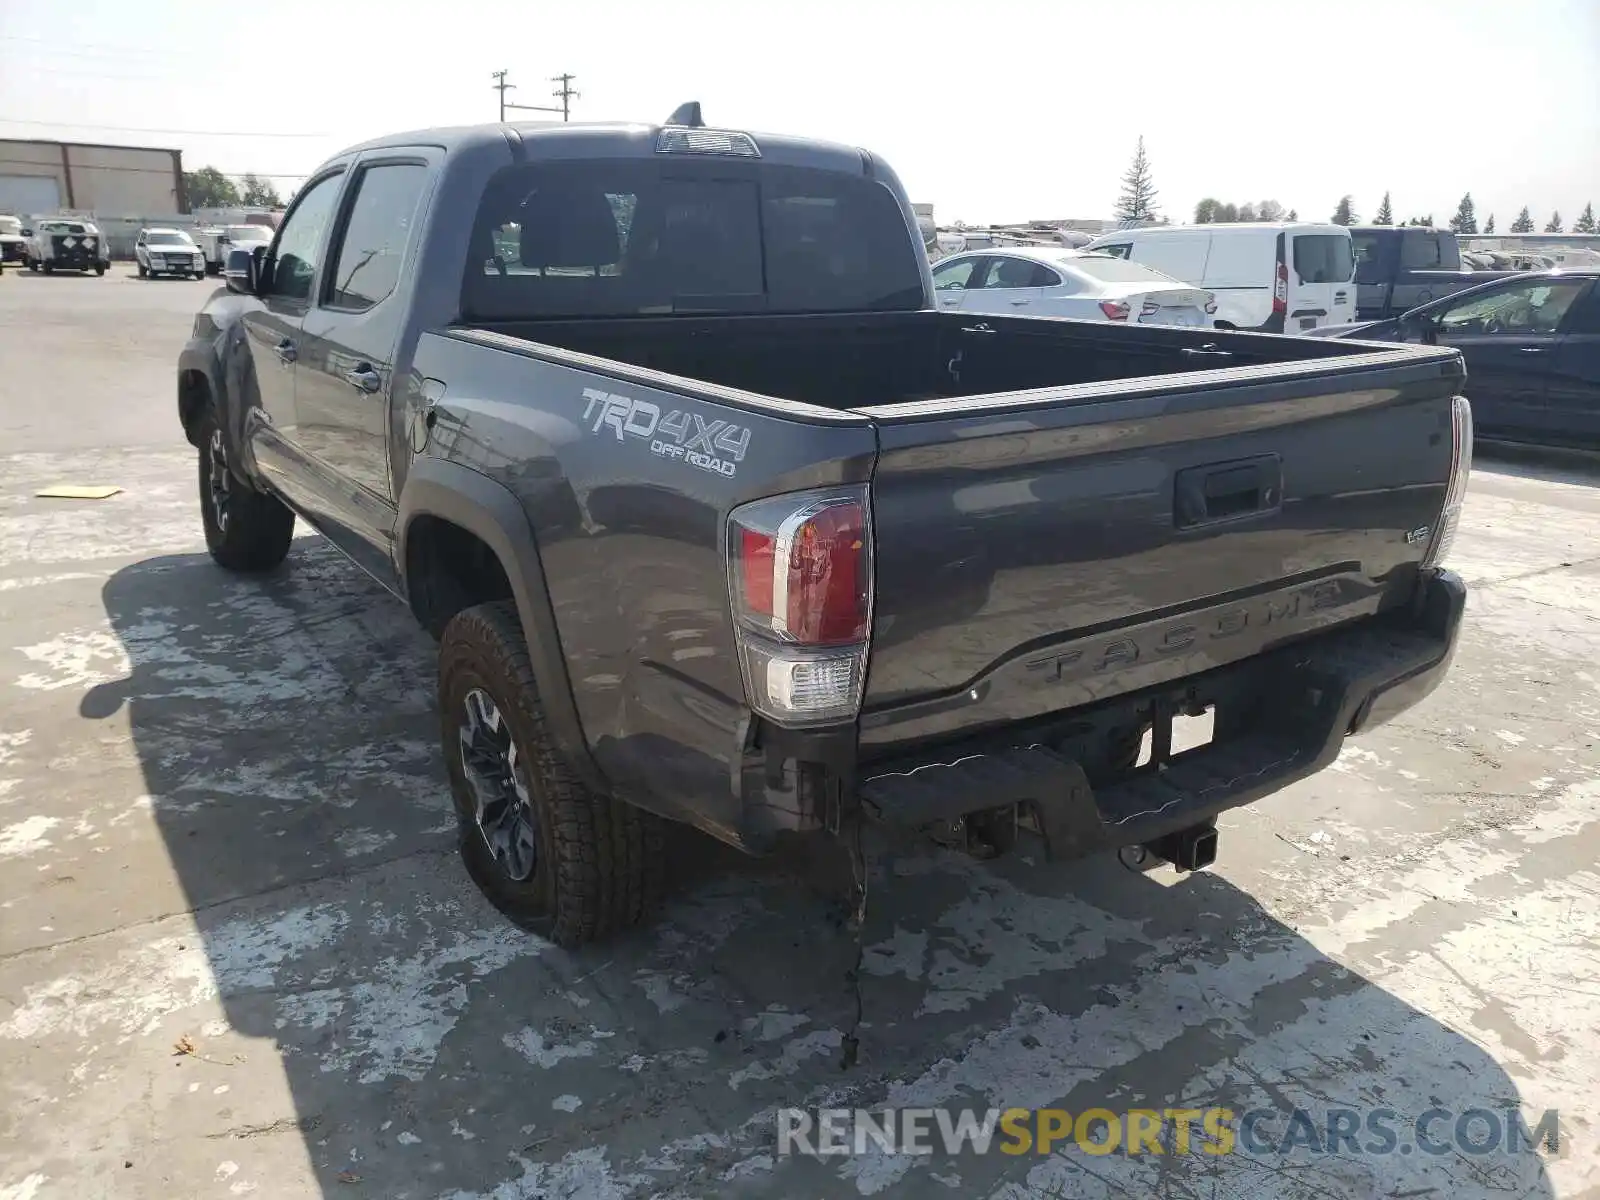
(717, 520)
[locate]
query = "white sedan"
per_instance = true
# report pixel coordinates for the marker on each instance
(1026, 281)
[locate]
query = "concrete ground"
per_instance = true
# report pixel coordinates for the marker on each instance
(239, 956)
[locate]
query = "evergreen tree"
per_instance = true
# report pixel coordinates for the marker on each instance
(1488, 226)
(1294, 215)
(1555, 223)
(1345, 213)
(1137, 204)
(1385, 212)
(1585, 223)
(1523, 223)
(1466, 219)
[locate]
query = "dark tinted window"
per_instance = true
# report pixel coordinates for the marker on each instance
(675, 235)
(1420, 252)
(367, 264)
(1323, 257)
(1369, 256)
(1120, 250)
(294, 264)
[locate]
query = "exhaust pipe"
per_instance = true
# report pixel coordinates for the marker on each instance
(1191, 849)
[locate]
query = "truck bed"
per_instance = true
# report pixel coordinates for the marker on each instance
(872, 359)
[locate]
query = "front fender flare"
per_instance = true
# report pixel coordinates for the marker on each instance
(490, 512)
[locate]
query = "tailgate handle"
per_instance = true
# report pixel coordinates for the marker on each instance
(1223, 491)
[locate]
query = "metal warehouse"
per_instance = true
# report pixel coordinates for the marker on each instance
(45, 177)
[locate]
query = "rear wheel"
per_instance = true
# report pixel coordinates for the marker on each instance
(246, 530)
(556, 858)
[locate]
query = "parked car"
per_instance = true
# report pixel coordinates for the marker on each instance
(217, 240)
(13, 245)
(168, 252)
(718, 519)
(1034, 282)
(1399, 267)
(66, 244)
(1532, 348)
(1268, 276)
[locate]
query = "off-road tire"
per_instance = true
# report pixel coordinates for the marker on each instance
(601, 863)
(258, 528)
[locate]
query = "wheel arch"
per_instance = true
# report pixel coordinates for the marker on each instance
(445, 509)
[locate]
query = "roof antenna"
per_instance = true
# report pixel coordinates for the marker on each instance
(687, 114)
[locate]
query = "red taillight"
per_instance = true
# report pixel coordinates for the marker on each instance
(1115, 310)
(803, 568)
(1280, 291)
(800, 573)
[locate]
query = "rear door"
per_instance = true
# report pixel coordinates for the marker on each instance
(1322, 284)
(1509, 336)
(345, 377)
(1572, 384)
(1421, 250)
(1377, 261)
(1007, 286)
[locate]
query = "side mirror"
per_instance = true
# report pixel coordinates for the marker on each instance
(27, 233)
(242, 272)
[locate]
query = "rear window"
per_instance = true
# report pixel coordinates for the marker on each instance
(1323, 257)
(659, 236)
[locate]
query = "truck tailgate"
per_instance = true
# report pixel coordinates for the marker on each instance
(1037, 551)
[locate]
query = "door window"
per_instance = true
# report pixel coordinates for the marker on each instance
(1016, 273)
(1369, 256)
(300, 240)
(1121, 250)
(954, 275)
(366, 266)
(1535, 307)
(1324, 257)
(1420, 252)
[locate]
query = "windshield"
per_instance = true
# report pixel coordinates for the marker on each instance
(249, 233)
(1106, 269)
(1323, 257)
(168, 239)
(679, 235)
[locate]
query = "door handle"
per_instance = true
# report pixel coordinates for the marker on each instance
(1531, 349)
(363, 378)
(286, 351)
(1020, 303)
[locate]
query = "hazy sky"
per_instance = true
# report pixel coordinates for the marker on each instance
(1005, 110)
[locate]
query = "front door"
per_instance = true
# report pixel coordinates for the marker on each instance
(342, 396)
(952, 278)
(1507, 336)
(272, 333)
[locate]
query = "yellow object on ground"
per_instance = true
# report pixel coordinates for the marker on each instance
(77, 491)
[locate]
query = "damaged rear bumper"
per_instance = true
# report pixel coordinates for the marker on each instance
(1278, 717)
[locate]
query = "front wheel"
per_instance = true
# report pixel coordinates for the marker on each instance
(99, 270)
(246, 530)
(49, 268)
(556, 858)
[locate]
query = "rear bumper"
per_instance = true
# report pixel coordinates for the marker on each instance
(1279, 717)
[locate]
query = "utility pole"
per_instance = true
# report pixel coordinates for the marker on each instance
(567, 94)
(500, 85)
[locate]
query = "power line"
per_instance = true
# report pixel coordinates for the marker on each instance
(565, 93)
(147, 129)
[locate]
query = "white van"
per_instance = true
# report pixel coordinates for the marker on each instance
(1268, 276)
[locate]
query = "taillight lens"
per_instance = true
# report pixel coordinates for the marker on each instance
(1115, 310)
(1280, 290)
(1444, 531)
(800, 577)
(1149, 309)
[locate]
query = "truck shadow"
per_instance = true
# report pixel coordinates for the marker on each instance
(1551, 464)
(288, 738)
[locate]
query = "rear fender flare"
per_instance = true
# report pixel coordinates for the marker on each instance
(489, 511)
